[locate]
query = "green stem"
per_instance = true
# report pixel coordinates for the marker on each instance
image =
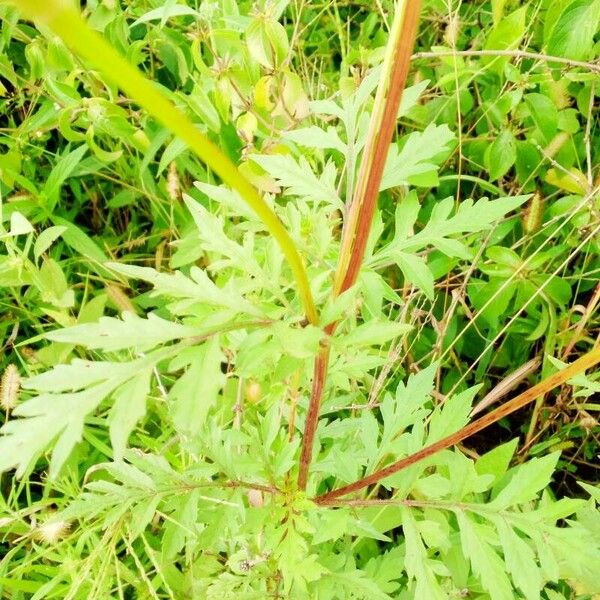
(68, 24)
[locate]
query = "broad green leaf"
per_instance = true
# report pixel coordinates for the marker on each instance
(506, 35)
(163, 13)
(592, 490)
(496, 461)
(498, 10)
(60, 173)
(315, 137)
(374, 333)
(486, 564)
(544, 114)
(19, 225)
(520, 560)
(421, 153)
(46, 239)
(573, 33)
(452, 415)
(410, 97)
(79, 240)
(196, 391)
(527, 481)
(298, 178)
(213, 238)
(407, 406)
(469, 218)
(417, 562)
(501, 155)
(57, 418)
(267, 42)
(359, 585)
(198, 287)
(78, 375)
(416, 271)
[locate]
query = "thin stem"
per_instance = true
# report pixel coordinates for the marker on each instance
(312, 417)
(68, 24)
(512, 53)
(585, 362)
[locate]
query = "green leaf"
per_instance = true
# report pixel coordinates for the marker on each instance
(410, 97)
(486, 564)
(421, 153)
(544, 114)
(453, 414)
(417, 563)
(79, 240)
(416, 271)
(50, 418)
(128, 408)
(315, 137)
(526, 482)
(267, 42)
(358, 584)
(469, 218)
(501, 155)
(130, 332)
(19, 225)
(198, 288)
(506, 35)
(165, 12)
(573, 33)
(78, 375)
(520, 560)
(374, 333)
(60, 173)
(496, 461)
(46, 239)
(196, 391)
(299, 178)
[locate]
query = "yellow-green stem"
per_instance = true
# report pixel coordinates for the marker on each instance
(67, 23)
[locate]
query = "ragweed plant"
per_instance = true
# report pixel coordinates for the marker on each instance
(258, 420)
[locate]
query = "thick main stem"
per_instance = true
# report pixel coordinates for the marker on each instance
(382, 127)
(580, 365)
(362, 208)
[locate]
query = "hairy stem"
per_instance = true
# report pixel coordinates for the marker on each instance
(585, 362)
(67, 23)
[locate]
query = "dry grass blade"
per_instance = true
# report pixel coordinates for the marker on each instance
(506, 385)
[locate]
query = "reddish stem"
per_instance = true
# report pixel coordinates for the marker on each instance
(314, 407)
(583, 363)
(381, 131)
(360, 216)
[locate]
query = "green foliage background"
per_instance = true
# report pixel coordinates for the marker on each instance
(158, 332)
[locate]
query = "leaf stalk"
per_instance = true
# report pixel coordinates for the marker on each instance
(69, 25)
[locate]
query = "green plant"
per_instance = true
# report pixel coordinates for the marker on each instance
(181, 418)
